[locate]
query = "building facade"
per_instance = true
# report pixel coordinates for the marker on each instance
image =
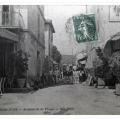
(22, 28)
(107, 24)
(34, 39)
(49, 30)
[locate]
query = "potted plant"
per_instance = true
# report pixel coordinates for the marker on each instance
(21, 67)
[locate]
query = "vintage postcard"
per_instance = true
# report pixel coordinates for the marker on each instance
(59, 59)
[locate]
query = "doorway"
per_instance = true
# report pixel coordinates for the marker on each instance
(6, 66)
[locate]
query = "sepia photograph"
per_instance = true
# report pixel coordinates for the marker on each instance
(59, 59)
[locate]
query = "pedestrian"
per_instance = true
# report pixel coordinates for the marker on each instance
(74, 79)
(51, 76)
(43, 80)
(79, 73)
(95, 81)
(56, 73)
(84, 77)
(71, 74)
(75, 76)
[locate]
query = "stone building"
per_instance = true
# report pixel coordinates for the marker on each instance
(49, 30)
(22, 28)
(107, 24)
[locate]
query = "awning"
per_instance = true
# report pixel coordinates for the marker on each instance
(82, 59)
(112, 45)
(4, 33)
(115, 36)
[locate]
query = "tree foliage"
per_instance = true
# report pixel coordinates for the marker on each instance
(56, 55)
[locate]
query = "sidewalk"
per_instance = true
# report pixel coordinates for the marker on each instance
(11, 99)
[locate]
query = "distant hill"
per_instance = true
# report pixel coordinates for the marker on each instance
(67, 59)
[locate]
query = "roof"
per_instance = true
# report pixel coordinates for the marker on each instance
(49, 21)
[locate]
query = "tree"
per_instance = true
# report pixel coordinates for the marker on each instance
(104, 70)
(56, 55)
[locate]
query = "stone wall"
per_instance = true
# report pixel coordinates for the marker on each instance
(34, 43)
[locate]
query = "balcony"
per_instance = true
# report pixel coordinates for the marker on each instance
(11, 20)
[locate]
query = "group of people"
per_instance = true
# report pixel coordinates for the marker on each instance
(79, 75)
(68, 74)
(51, 78)
(74, 74)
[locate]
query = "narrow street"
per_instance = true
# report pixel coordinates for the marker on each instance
(64, 99)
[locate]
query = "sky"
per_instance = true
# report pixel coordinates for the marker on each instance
(59, 16)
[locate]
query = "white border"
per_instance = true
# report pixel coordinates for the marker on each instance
(59, 2)
(60, 117)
